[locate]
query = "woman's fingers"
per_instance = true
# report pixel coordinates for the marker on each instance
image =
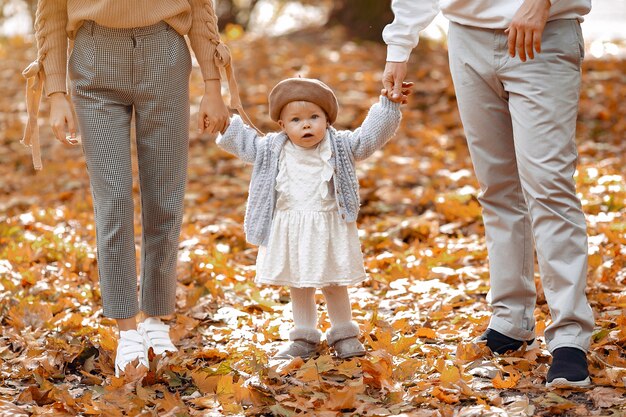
(201, 121)
(59, 131)
(209, 124)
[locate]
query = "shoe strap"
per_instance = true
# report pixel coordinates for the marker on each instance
(130, 344)
(157, 332)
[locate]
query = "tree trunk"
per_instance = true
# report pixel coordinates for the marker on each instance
(363, 19)
(229, 11)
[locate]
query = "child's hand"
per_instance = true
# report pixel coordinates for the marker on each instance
(406, 91)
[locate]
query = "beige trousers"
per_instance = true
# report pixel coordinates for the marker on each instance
(520, 119)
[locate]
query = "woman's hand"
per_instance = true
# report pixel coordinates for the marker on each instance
(61, 116)
(213, 115)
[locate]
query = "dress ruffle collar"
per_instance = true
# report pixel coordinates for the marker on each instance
(326, 154)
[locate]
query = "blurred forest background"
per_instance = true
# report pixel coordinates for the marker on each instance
(422, 238)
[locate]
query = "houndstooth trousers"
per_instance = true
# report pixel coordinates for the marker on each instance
(112, 72)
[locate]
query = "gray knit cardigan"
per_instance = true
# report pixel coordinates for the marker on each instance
(347, 147)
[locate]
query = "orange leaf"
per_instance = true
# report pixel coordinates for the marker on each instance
(425, 332)
(500, 382)
(447, 396)
(344, 398)
(205, 382)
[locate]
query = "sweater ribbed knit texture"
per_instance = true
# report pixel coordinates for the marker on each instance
(379, 126)
(58, 20)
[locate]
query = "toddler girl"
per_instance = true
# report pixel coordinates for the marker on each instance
(303, 204)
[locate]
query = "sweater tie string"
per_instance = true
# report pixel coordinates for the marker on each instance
(224, 63)
(34, 88)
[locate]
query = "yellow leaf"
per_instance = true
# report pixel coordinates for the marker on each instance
(403, 344)
(450, 375)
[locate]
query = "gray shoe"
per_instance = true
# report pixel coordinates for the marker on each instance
(344, 339)
(304, 343)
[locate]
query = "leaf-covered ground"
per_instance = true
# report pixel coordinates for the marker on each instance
(422, 238)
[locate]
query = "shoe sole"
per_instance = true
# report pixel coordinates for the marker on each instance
(351, 355)
(532, 346)
(288, 358)
(564, 383)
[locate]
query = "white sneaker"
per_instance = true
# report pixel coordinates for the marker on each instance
(156, 335)
(130, 347)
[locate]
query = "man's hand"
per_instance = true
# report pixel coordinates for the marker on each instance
(394, 75)
(405, 92)
(61, 116)
(526, 28)
(213, 114)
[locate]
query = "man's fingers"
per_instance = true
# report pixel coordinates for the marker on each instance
(519, 45)
(388, 82)
(537, 40)
(512, 39)
(528, 44)
(397, 88)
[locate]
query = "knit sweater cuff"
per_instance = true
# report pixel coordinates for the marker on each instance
(205, 54)
(55, 83)
(388, 105)
(235, 126)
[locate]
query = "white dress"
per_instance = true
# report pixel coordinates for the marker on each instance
(309, 244)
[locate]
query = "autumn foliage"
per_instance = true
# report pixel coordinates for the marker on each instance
(422, 237)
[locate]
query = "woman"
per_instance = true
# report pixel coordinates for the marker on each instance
(131, 56)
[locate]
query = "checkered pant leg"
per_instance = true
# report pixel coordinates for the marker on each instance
(112, 72)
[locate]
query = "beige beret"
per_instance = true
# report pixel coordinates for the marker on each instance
(303, 89)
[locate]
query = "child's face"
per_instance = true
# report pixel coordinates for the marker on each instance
(304, 122)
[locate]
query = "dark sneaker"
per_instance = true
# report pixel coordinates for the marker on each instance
(569, 369)
(499, 343)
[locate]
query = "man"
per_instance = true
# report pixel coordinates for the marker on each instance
(516, 71)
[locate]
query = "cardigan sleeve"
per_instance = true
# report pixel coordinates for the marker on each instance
(379, 126)
(240, 140)
(51, 35)
(205, 38)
